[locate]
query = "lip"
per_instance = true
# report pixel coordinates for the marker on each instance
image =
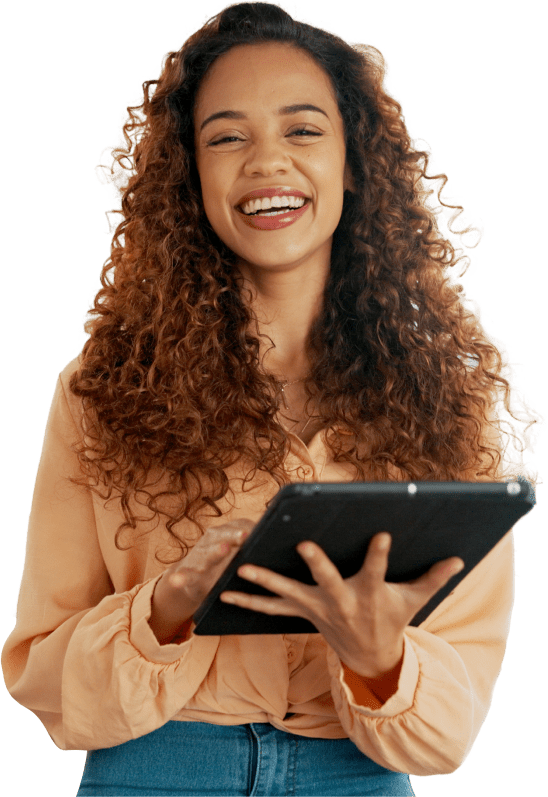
(277, 222)
(269, 192)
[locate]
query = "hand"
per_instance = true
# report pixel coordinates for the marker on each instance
(184, 585)
(363, 618)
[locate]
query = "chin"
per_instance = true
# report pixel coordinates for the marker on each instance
(282, 256)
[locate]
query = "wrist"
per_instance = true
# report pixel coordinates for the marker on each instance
(169, 613)
(384, 663)
(382, 685)
(380, 678)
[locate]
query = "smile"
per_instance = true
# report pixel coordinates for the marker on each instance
(276, 219)
(272, 208)
(270, 205)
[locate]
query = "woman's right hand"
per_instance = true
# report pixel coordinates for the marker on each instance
(185, 584)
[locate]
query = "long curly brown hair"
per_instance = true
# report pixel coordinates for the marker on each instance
(170, 376)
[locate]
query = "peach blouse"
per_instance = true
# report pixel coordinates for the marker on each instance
(84, 659)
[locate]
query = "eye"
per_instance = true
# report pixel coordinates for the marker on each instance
(305, 131)
(222, 140)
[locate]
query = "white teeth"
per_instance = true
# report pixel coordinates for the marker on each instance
(265, 203)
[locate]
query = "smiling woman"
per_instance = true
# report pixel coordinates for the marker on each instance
(279, 311)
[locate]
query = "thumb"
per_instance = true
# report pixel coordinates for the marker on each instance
(439, 575)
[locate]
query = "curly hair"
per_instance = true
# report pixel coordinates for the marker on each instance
(170, 375)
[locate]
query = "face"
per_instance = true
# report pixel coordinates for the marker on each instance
(263, 138)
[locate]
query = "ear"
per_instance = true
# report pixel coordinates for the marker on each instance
(348, 181)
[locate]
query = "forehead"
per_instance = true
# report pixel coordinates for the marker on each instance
(262, 72)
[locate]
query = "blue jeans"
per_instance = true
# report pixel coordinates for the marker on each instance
(197, 758)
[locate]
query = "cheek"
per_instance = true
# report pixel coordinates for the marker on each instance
(329, 174)
(332, 181)
(208, 181)
(216, 223)
(213, 202)
(218, 215)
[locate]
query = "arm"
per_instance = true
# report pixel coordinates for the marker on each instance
(424, 716)
(83, 657)
(429, 722)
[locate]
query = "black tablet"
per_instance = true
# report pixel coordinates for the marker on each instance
(428, 521)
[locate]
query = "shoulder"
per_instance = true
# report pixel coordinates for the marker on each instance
(63, 391)
(69, 370)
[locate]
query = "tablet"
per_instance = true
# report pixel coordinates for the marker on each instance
(428, 522)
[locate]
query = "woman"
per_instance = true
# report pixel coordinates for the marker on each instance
(238, 348)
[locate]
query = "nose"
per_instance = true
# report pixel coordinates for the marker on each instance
(267, 158)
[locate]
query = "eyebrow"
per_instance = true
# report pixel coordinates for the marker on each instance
(283, 111)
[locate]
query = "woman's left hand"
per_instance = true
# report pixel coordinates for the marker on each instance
(363, 618)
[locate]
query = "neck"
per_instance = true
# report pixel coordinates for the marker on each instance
(285, 304)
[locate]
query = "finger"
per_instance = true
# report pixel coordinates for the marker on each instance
(325, 572)
(438, 576)
(231, 539)
(227, 543)
(220, 540)
(376, 561)
(230, 529)
(223, 548)
(280, 585)
(258, 603)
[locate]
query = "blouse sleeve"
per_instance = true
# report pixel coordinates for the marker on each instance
(81, 656)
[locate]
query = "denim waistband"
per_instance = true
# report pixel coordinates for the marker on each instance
(198, 758)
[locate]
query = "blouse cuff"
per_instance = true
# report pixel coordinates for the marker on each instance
(400, 701)
(141, 635)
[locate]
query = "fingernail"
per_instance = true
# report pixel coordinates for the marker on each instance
(456, 569)
(225, 547)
